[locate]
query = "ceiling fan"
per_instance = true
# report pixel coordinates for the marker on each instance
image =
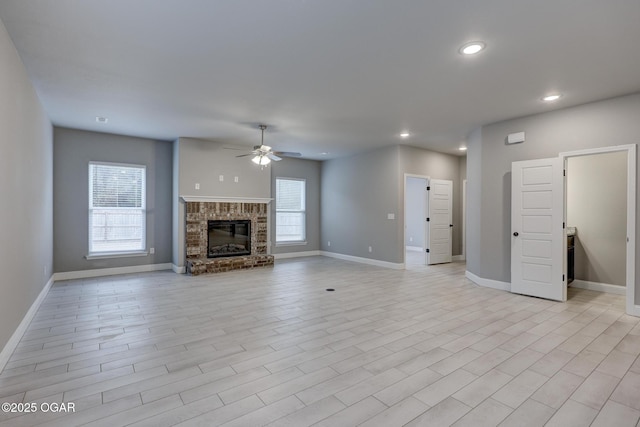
(263, 154)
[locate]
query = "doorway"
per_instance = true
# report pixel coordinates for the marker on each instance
(596, 206)
(428, 225)
(539, 219)
(416, 232)
(629, 226)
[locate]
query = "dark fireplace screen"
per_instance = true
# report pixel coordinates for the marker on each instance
(229, 238)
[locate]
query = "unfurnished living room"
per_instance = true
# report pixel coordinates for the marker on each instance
(319, 213)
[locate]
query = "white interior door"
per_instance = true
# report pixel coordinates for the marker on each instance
(440, 220)
(538, 245)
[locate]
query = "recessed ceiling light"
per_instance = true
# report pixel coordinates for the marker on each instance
(552, 97)
(462, 148)
(472, 48)
(101, 119)
(324, 153)
(405, 135)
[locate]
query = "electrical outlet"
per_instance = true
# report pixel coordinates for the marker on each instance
(235, 179)
(391, 216)
(370, 249)
(221, 178)
(329, 243)
(411, 239)
(197, 185)
(152, 251)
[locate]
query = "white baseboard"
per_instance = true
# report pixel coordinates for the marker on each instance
(82, 274)
(458, 258)
(386, 264)
(296, 254)
(488, 283)
(600, 287)
(178, 269)
(11, 345)
(414, 248)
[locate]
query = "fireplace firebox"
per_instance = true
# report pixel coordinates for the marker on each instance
(228, 238)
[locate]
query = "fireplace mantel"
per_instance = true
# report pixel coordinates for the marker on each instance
(222, 199)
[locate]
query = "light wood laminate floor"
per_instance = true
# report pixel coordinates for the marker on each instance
(424, 346)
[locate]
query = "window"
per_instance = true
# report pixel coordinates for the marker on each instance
(290, 210)
(116, 208)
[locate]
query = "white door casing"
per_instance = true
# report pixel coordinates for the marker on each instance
(440, 220)
(538, 242)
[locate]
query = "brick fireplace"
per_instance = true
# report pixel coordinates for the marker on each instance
(197, 215)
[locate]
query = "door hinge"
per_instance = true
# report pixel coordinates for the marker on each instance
(428, 220)
(563, 277)
(428, 188)
(564, 172)
(563, 225)
(427, 250)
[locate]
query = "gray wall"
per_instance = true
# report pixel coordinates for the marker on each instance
(599, 124)
(73, 150)
(436, 166)
(474, 202)
(597, 206)
(203, 161)
(26, 211)
(462, 164)
(177, 212)
(357, 193)
(308, 170)
(415, 214)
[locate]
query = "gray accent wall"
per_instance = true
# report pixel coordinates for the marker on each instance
(599, 124)
(597, 207)
(203, 161)
(73, 150)
(309, 170)
(26, 211)
(359, 192)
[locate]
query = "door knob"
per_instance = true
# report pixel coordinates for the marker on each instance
(515, 233)
(450, 225)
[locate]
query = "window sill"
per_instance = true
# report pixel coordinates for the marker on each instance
(291, 244)
(116, 255)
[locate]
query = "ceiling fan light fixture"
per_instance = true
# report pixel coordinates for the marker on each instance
(261, 160)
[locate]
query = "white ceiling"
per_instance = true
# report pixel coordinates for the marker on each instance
(335, 76)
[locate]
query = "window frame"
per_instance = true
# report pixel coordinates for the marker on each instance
(303, 212)
(127, 252)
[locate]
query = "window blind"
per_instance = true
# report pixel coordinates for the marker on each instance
(116, 208)
(290, 210)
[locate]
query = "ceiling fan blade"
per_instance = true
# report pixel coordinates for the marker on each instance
(287, 154)
(236, 148)
(273, 157)
(245, 155)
